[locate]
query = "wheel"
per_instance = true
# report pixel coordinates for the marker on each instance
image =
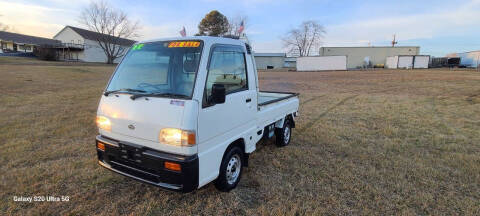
(230, 170)
(284, 134)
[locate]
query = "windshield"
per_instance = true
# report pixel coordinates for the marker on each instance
(161, 68)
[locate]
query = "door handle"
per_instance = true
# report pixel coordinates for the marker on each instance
(248, 100)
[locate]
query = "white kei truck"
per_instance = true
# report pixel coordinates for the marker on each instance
(179, 113)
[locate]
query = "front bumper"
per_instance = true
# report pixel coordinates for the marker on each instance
(147, 165)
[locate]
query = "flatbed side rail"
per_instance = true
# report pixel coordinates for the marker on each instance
(291, 94)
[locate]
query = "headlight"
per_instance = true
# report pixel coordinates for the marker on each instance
(177, 137)
(104, 123)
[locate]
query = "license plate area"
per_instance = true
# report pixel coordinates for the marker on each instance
(130, 153)
(134, 156)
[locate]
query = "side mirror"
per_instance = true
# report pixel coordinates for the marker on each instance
(218, 94)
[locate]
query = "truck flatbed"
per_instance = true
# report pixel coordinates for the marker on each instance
(269, 97)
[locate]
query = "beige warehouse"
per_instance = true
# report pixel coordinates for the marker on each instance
(377, 55)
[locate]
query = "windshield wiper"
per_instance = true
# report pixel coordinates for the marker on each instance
(172, 95)
(123, 89)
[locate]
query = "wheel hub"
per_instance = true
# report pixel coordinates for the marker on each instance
(233, 169)
(286, 134)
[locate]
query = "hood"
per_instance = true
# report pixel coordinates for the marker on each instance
(143, 118)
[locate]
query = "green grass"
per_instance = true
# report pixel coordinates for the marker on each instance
(367, 142)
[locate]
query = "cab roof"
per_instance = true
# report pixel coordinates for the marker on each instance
(205, 39)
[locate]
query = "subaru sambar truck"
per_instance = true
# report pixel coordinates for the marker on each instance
(179, 113)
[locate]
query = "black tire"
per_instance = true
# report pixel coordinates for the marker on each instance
(282, 139)
(224, 182)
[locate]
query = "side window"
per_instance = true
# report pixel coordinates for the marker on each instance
(227, 67)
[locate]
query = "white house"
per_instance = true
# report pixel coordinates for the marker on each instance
(91, 50)
(14, 43)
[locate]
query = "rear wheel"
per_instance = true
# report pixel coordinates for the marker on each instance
(230, 170)
(283, 135)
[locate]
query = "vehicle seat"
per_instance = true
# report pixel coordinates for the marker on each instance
(185, 83)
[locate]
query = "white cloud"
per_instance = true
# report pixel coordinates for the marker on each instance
(249, 2)
(170, 29)
(28, 17)
(160, 31)
(435, 23)
(34, 20)
(267, 46)
(447, 22)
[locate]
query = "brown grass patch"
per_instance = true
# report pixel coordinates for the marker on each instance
(367, 142)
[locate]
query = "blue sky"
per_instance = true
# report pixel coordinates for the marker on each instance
(439, 27)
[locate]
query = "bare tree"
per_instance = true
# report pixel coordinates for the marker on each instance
(114, 26)
(303, 40)
(235, 23)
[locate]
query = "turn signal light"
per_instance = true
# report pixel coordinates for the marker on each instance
(173, 166)
(101, 146)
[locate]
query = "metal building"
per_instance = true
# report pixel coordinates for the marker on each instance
(321, 63)
(469, 59)
(357, 56)
(269, 60)
(290, 62)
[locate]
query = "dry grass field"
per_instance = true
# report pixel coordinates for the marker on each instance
(367, 142)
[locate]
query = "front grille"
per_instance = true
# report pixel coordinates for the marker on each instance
(135, 172)
(132, 164)
(147, 165)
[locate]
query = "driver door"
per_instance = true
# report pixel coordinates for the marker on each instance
(218, 124)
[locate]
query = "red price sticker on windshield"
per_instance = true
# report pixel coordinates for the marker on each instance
(183, 44)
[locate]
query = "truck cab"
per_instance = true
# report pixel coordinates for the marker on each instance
(179, 113)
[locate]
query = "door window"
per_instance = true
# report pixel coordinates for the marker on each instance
(227, 67)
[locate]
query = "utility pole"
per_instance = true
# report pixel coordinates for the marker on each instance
(394, 41)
